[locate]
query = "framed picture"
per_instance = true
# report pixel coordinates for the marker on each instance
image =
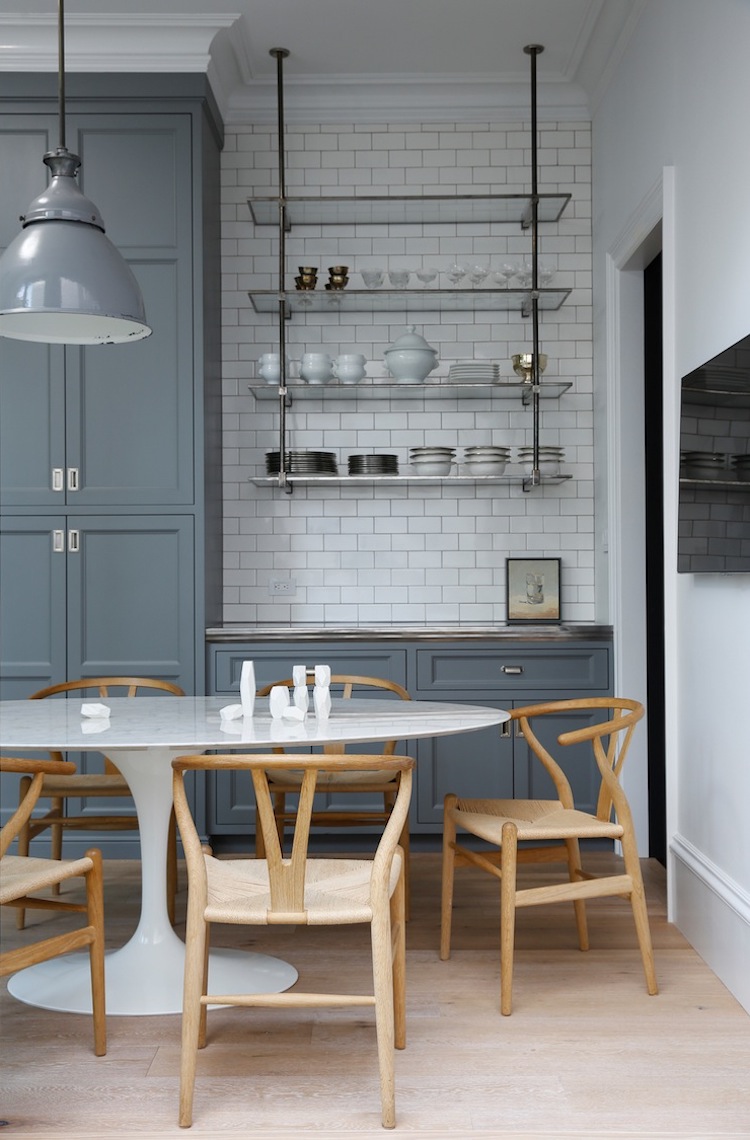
(533, 589)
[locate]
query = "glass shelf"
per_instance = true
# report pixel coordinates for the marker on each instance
(384, 390)
(430, 209)
(352, 480)
(716, 484)
(404, 300)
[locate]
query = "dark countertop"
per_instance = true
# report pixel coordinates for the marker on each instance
(582, 631)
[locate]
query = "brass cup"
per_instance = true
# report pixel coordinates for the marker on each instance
(523, 362)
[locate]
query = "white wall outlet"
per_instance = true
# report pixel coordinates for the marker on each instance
(282, 587)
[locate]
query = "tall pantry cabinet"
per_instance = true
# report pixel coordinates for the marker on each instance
(110, 456)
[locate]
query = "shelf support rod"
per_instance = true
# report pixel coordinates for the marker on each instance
(533, 50)
(280, 54)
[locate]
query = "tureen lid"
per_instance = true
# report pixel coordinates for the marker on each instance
(411, 339)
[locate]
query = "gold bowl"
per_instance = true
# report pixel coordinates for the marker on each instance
(523, 362)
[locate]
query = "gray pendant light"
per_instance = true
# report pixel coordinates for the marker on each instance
(62, 281)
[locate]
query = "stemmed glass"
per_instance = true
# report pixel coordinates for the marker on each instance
(546, 273)
(455, 273)
(477, 273)
(426, 275)
(503, 275)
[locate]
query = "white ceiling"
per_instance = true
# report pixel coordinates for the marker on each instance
(400, 58)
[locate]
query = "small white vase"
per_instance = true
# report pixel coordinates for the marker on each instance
(278, 700)
(322, 701)
(247, 688)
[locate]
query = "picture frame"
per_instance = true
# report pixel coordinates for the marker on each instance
(533, 590)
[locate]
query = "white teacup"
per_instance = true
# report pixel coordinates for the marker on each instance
(316, 368)
(349, 368)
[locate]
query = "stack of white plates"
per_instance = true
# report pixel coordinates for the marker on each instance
(486, 459)
(373, 465)
(431, 460)
(550, 458)
(473, 371)
(704, 464)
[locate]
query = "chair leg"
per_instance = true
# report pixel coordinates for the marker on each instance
(382, 973)
(172, 867)
(398, 929)
(640, 914)
(195, 943)
(56, 837)
(579, 906)
(449, 866)
(508, 915)
(95, 913)
(23, 843)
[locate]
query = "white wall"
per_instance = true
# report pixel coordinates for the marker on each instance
(675, 115)
(404, 554)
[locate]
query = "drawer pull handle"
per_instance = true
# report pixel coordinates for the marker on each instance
(511, 668)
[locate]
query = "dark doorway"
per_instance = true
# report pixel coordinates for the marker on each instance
(654, 421)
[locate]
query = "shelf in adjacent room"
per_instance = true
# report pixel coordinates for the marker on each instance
(436, 209)
(404, 300)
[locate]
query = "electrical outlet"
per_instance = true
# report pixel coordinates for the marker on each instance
(282, 587)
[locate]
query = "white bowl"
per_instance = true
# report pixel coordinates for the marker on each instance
(431, 467)
(546, 466)
(485, 466)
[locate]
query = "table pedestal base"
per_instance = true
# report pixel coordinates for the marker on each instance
(155, 987)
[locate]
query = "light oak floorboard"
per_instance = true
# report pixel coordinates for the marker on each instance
(586, 1053)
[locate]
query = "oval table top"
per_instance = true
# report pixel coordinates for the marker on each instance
(196, 722)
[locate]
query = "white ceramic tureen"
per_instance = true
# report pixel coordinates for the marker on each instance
(410, 359)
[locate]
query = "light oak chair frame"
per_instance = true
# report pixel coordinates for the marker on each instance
(300, 890)
(109, 783)
(504, 823)
(22, 876)
(344, 685)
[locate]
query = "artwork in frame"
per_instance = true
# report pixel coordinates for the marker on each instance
(533, 590)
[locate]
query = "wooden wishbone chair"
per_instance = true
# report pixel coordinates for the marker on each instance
(22, 876)
(301, 890)
(93, 785)
(347, 785)
(550, 831)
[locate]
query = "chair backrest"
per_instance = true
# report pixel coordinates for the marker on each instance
(349, 685)
(37, 769)
(287, 875)
(103, 685)
(610, 740)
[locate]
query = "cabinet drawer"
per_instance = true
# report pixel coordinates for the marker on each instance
(274, 661)
(542, 673)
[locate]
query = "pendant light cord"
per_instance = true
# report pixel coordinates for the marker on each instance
(61, 74)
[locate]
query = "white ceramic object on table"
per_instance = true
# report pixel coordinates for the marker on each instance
(247, 688)
(316, 368)
(349, 367)
(301, 695)
(278, 700)
(410, 359)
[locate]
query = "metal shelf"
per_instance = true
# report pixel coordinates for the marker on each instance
(430, 209)
(352, 480)
(716, 484)
(404, 300)
(372, 389)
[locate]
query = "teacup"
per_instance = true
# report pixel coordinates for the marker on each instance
(349, 367)
(316, 368)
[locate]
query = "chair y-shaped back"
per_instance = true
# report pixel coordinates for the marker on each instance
(93, 785)
(297, 889)
(284, 784)
(22, 876)
(550, 831)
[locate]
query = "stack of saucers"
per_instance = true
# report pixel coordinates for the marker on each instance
(373, 465)
(431, 460)
(550, 459)
(704, 464)
(486, 459)
(473, 371)
(303, 463)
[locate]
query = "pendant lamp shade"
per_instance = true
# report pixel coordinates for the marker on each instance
(62, 281)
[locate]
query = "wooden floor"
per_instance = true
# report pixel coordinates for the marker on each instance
(586, 1053)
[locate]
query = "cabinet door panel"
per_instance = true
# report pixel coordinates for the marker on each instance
(471, 764)
(552, 672)
(131, 598)
(32, 423)
(32, 606)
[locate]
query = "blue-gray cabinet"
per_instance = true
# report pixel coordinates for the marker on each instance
(116, 448)
(505, 672)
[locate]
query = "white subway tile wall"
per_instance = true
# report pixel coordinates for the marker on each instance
(407, 553)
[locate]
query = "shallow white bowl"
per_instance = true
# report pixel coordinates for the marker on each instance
(433, 467)
(485, 466)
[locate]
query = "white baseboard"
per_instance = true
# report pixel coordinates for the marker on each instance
(712, 910)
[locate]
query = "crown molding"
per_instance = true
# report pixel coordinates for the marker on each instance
(403, 99)
(138, 42)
